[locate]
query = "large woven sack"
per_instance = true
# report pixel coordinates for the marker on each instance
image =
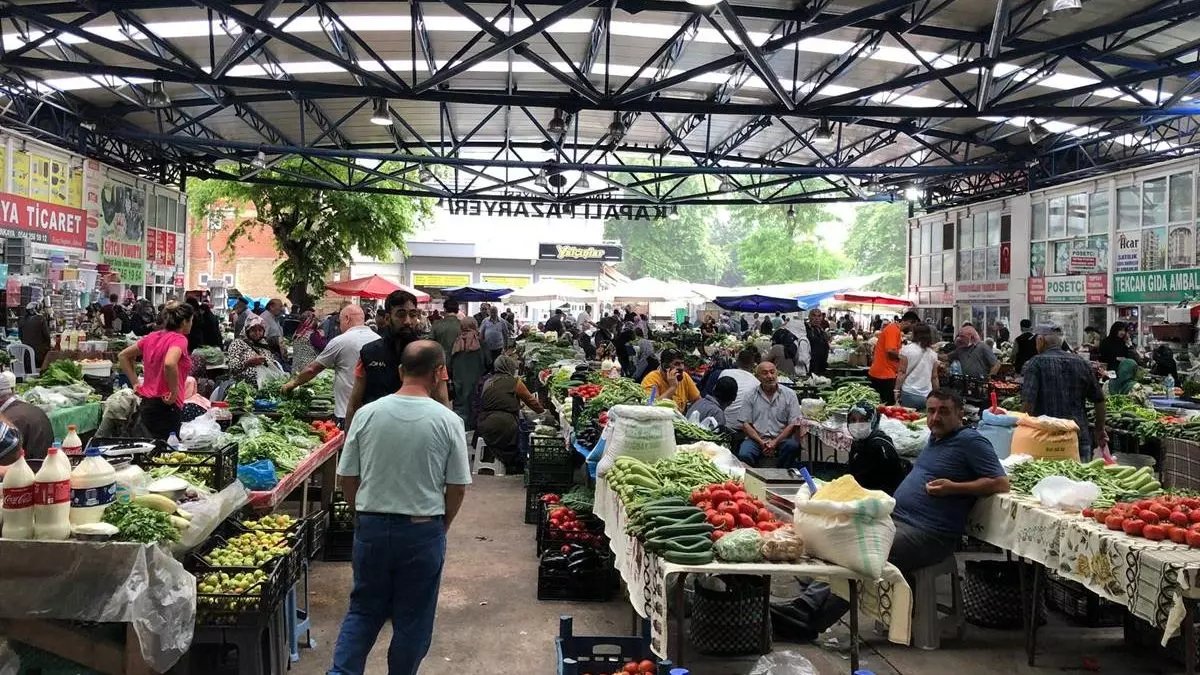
(1046, 438)
(856, 535)
(644, 432)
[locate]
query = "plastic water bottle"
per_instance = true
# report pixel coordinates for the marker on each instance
(1169, 384)
(956, 368)
(173, 441)
(93, 488)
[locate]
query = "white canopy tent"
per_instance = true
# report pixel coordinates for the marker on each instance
(547, 290)
(649, 289)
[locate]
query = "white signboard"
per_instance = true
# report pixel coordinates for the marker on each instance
(1129, 256)
(1083, 261)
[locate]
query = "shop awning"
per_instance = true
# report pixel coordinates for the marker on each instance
(872, 298)
(756, 303)
(547, 290)
(373, 287)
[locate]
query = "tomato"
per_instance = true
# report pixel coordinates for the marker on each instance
(740, 496)
(1154, 532)
(744, 520)
(1161, 511)
(697, 496)
(1143, 504)
(721, 495)
(647, 666)
(1100, 515)
(747, 508)
(1193, 539)
(631, 667)
(1191, 502)
(550, 498)
(704, 505)
(732, 486)
(729, 507)
(1177, 535)
(730, 521)
(1179, 518)
(1194, 516)
(1133, 526)
(766, 526)
(764, 516)
(716, 519)
(717, 534)
(1149, 516)
(565, 549)
(1114, 522)
(1089, 513)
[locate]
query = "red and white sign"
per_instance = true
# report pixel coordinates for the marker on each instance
(160, 247)
(981, 290)
(1083, 261)
(1090, 289)
(42, 222)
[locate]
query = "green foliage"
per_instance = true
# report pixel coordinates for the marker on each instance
(671, 249)
(769, 255)
(314, 230)
(876, 244)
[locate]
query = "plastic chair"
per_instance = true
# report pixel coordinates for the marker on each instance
(928, 622)
(496, 467)
(19, 353)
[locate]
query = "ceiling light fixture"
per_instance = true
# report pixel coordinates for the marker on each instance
(541, 181)
(381, 115)
(791, 213)
(260, 160)
(1056, 8)
(557, 124)
(1037, 132)
(727, 185)
(425, 175)
(824, 131)
(703, 3)
(158, 98)
(582, 183)
(913, 193)
(617, 128)
(674, 214)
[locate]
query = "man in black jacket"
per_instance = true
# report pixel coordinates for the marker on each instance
(378, 371)
(1025, 345)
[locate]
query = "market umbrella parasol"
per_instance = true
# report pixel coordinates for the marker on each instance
(872, 298)
(547, 290)
(373, 287)
(480, 292)
(756, 303)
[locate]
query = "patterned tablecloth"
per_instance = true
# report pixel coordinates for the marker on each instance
(1151, 578)
(646, 575)
(829, 443)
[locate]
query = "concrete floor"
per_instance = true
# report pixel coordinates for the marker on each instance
(489, 620)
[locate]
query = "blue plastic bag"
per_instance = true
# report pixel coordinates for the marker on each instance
(258, 475)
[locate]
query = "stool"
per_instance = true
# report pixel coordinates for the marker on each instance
(928, 622)
(495, 466)
(298, 620)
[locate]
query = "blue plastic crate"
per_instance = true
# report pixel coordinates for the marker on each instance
(601, 654)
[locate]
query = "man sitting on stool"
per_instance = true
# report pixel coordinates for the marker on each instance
(770, 416)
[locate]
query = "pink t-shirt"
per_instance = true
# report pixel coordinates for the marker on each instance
(154, 352)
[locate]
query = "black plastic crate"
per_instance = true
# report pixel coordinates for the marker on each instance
(252, 607)
(599, 585)
(548, 540)
(318, 526)
(218, 466)
(292, 562)
(545, 473)
(601, 654)
(533, 499)
(549, 450)
(339, 538)
(1080, 605)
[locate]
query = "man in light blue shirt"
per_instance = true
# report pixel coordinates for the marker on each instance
(404, 472)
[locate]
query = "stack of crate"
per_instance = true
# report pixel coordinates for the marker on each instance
(549, 468)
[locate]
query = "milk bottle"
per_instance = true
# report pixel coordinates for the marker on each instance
(93, 488)
(52, 497)
(18, 500)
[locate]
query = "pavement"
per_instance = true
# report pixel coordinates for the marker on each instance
(490, 622)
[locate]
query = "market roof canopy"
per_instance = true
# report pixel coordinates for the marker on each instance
(547, 290)
(649, 289)
(872, 298)
(373, 287)
(580, 102)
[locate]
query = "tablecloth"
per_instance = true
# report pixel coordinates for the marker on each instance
(646, 575)
(85, 417)
(1151, 578)
(268, 499)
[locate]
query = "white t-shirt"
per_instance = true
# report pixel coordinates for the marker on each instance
(341, 354)
(583, 319)
(747, 383)
(921, 363)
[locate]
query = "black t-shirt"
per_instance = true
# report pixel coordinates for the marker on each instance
(1026, 348)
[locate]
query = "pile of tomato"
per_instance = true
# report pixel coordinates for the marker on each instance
(634, 668)
(585, 391)
(1158, 519)
(728, 507)
(899, 412)
(326, 429)
(565, 525)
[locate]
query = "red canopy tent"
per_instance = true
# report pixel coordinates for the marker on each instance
(373, 287)
(872, 298)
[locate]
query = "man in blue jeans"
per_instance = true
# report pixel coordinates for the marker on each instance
(404, 472)
(769, 420)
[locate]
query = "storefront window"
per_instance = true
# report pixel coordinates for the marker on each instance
(1154, 202)
(1180, 245)
(1128, 212)
(1039, 221)
(979, 239)
(1154, 248)
(984, 318)
(1071, 219)
(1058, 217)
(1066, 318)
(1181, 197)
(1077, 215)
(1098, 213)
(1037, 259)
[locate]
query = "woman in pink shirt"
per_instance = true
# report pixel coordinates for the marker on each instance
(165, 367)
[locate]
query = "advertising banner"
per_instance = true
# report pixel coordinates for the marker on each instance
(1129, 248)
(1161, 287)
(981, 290)
(1083, 261)
(122, 226)
(1091, 289)
(42, 222)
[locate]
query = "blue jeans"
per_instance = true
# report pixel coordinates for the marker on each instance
(397, 567)
(786, 450)
(911, 400)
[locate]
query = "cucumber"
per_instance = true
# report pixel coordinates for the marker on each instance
(689, 545)
(697, 517)
(702, 558)
(675, 531)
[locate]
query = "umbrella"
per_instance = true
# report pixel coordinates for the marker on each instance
(872, 298)
(373, 287)
(813, 299)
(547, 290)
(756, 303)
(480, 292)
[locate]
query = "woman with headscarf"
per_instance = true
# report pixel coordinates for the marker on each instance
(974, 358)
(783, 352)
(874, 462)
(307, 341)
(500, 403)
(248, 352)
(1116, 346)
(467, 364)
(142, 321)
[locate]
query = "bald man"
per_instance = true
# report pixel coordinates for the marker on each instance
(341, 354)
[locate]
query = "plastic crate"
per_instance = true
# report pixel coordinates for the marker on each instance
(339, 536)
(562, 473)
(533, 499)
(548, 450)
(1080, 605)
(217, 465)
(599, 585)
(548, 541)
(578, 654)
(291, 562)
(318, 526)
(252, 607)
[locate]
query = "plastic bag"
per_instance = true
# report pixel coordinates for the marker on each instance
(813, 408)
(908, 442)
(251, 425)
(271, 370)
(640, 431)
(258, 475)
(719, 455)
(743, 545)
(208, 513)
(786, 662)
(855, 534)
(200, 432)
(1060, 492)
(998, 428)
(782, 545)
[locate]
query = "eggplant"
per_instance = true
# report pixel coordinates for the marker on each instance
(554, 561)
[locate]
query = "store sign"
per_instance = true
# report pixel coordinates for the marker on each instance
(981, 290)
(1083, 261)
(161, 247)
(1090, 289)
(507, 280)
(1006, 258)
(1129, 255)
(476, 207)
(440, 279)
(1163, 286)
(42, 222)
(579, 252)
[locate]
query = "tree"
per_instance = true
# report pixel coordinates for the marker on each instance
(314, 230)
(775, 248)
(876, 244)
(671, 249)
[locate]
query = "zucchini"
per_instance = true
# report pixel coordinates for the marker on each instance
(697, 517)
(674, 531)
(702, 558)
(689, 545)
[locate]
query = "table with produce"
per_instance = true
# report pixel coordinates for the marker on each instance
(1134, 544)
(684, 515)
(61, 392)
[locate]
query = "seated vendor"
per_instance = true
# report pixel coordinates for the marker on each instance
(714, 404)
(874, 462)
(671, 381)
(957, 467)
(769, 420)
(501, 400)
(248, 352)
(34, 426)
